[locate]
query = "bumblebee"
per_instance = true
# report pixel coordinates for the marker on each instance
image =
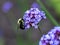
(21, 24)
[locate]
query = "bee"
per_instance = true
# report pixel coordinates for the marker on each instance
(21, 23)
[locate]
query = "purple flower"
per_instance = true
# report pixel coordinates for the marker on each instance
(32, 17)
(35, 5)
(52, 38)
(6, 6)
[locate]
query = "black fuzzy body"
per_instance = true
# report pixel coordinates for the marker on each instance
(22, 24)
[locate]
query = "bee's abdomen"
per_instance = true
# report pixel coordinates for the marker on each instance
(22, 26)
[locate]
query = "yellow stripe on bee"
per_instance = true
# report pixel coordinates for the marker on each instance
(18, 21)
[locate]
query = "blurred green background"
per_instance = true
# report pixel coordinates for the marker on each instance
(10, 35)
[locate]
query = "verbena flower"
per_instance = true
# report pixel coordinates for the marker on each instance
(33, 16)
(52, 38)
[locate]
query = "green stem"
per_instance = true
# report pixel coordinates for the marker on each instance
(49, 16)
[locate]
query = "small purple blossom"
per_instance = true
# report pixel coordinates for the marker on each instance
(52, 38)
(32, 17)
(35, 5)
(7, 6)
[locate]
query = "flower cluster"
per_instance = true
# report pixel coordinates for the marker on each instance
(32, 17)
(52, 38)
